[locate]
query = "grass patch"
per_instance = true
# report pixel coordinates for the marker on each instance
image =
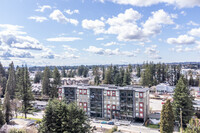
(30, 118)
(153, 126)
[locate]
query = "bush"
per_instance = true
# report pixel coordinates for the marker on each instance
(14, 130)
(113, 129)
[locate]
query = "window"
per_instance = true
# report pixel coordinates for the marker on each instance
(80, 91)
(80, 104)
(136, 104)
(141, 104)
(113, 107)
(108, 106)
(85, 105)
(60, 97)
(136, 108)
(137, 114)
(141, 95)
(141, 114)
(141, 109)
(113, 93)
(108, 93)
(85, 109)
(85, 92)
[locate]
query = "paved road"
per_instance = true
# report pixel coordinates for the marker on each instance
(138, 128)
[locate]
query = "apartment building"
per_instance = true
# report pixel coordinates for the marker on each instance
(109, 101)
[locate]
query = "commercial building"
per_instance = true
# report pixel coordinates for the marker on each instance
(109, 101)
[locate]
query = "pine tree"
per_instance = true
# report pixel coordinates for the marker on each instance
(183, 100)
(108, 76)
(11, 83)
(127, 78)
(38, 77)
(138, 69)
(6, 107)
(55, 84)
(60, 117)
(167, 118)
(2, 121)
(3, 82)
(103, 73)
(46, 81)
(2, 71)
(64, 73)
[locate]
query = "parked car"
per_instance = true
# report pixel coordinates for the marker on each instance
(111, 123)
(104, 122)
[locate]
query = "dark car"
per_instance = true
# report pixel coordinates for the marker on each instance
(111, 123)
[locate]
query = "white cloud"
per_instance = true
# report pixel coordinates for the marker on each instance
(125, 26)
(97, 26)
(68, 48)
(63, 39)
(38, 18)
(192, 23)
(101, 51)
(71, 12)
(144, 3)
(179, 48)
(183, 13)
(100, 39)
(112, 43)
(195, 32)
(69, 55)
(182, 39)
(58, 16)
(11, 29)
(152, 52)
(153, 25)
(42, 8)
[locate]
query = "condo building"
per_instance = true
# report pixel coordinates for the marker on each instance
(109, 101)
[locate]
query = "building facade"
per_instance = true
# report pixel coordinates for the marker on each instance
(108, 101)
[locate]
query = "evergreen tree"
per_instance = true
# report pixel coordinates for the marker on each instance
(64, 73)
(55, 84)
(130, 69)
(6, 107)
(108, 76)
(46, 81)
(97, 75)
(103, 73)
(2, 71)
(11, 83)
(183, 100)
(38, 77)
(127, 78)
(60, 117)
(2, 121)
(138, 69)
(167, 118)
(85, 72)
(25, 91)
(121, 76)
(193, 126)
(3, 82)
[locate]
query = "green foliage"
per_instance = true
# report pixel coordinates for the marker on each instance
(11, 83)
(138, 69)
(64, 73)
(97, 75)
(156, 126)
(63, 118)
(14, 130)
(127, 78)
(38, 77)
(55, 84)
(25, 93)
(193, 126)
(167, 118)
(6, 107)
(2, 121)
(46, 81)
(83, 71)
(183, 100)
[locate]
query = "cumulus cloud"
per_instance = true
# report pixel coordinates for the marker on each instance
(195, 32)
(96, 25)
(71, 12)
(68, 48)
(69, 55)
(63, 39)
(42, 8)
(192, 23)
(144, 3)
(38, 18)
(125, 26)
(101, 51)
(182, 39)
(152, 52)
(7, 54)
(58, 16)
(112, 43)
(180, 48)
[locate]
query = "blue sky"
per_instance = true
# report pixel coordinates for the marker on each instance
(75, 32)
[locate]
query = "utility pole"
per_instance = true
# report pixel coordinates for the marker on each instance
(181, 120)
